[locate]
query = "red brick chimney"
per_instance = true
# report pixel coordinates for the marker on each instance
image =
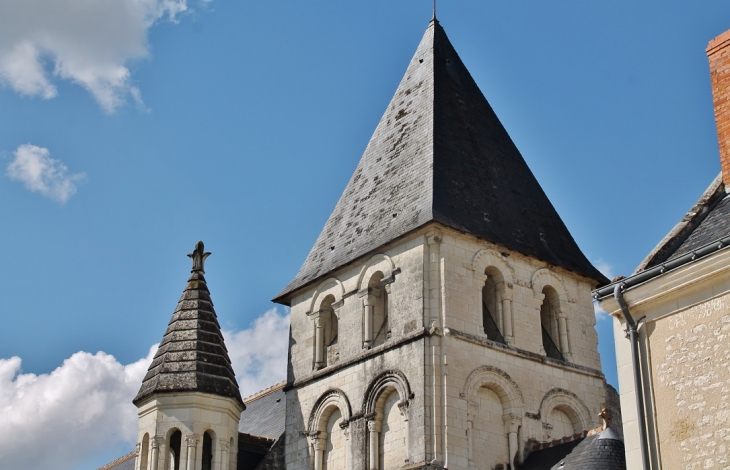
(718, 52)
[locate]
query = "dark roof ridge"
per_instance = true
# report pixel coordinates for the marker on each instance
(266, 391)
(714, 193)
(121, 459)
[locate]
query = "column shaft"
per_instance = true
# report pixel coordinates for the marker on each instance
(507, 312)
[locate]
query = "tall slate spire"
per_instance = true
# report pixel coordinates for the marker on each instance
(440, 154)
(192, 356)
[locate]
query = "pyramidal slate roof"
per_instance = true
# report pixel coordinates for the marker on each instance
(440, 154)
(192, 356)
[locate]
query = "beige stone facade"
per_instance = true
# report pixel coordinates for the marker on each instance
(390, 365)
(685, 351)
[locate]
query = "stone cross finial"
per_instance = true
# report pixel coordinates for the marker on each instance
(198, 256)
(607, 417)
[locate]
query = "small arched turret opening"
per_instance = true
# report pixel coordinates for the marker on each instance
(208, 451)
(492, 318)
(549, 322)
(144, 452)
(174, 443)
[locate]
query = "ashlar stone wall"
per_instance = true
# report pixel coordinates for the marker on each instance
(413, 379)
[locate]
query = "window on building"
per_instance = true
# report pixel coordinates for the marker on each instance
(549, 323)
(491, 310)
(174, 450)
(207, 451)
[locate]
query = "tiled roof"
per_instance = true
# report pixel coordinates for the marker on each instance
(698, 227)
(440, 154)
(122, 463)
(715, 226)
(265, 413)
(192, 355)
(600, 451)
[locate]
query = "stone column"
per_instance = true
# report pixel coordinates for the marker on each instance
(156, 443)
(319, 445)
(512, 425)
(222, 463)
(563, 329)
(374, 431)
(318, 341)
(507, 322)
(403, 407)
(480, 279)
(369, 298)
(192, 442)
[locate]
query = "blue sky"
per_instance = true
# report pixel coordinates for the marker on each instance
(132, 128)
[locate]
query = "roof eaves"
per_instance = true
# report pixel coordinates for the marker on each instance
(663, 268)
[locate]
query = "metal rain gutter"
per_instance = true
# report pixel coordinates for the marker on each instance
(660, 269)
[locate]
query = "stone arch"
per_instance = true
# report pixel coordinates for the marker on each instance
(544, 277)
(501, 383)
(323, 407)
(569, 403)
(329, 286)
(487, 258)
(388, 428)
(208, 457)
(379, 262)
(386, 379)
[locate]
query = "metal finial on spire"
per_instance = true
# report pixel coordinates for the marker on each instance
(434, 9)
(198, 256)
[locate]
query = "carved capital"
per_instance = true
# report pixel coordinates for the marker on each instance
(139, 446)
(512, 422)
(373, 426)
(192, 440)
(225, 445)
(480, 277)
(319, 442)
(403, 407)
(434, 237)
(157, 442)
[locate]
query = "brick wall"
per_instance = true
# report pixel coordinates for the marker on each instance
(718, 53)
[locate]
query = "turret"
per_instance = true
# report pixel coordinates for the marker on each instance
(189, 403)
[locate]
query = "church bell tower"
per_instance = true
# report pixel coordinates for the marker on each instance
(443, 318)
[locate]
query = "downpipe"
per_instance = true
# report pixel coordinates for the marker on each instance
(632, 333)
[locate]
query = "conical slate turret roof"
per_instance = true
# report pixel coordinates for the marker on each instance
(192, 356)
(440, 154)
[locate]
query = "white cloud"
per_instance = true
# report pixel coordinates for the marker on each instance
(606, 269)
(88, 42)
(85, 405)
(34, 167)
(599, 312)
(259, 353)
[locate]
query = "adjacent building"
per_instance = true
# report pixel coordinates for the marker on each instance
(680, 294)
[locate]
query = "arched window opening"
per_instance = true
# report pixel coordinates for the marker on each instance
(560, 423)
(376, 329)
(549, 322)
(144, 452)
(492, 307)
(326, 334)
(207, 451)
(175, 442)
